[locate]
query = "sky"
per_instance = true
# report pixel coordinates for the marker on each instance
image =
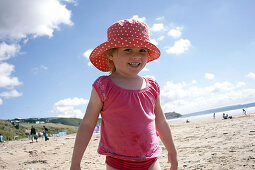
(207, 53)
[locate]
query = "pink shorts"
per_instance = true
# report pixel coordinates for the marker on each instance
(121, 164)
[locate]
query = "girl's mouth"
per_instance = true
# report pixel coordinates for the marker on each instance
(134, 64)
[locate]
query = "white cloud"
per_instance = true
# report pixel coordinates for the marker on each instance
(250, 75)
(71, 102)
(176, 91)
(90, 64)
(161, 38)
(66, 107)
(19, 22)
(145, 69)
(70, 1)
(24, 41)
(187, 98)
(8, 51)
(209, 76)
(194, 82)
(87, 53)
(6, 80)
(153, 41)
(157, 27)
(179, 47)
(39, 68)
(160, 18)
(136, 17)
(10, 94)
(19, 19)
(175, 33)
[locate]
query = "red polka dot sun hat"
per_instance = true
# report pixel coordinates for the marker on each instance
(124, 33)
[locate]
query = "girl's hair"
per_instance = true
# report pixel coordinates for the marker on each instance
(110, 62)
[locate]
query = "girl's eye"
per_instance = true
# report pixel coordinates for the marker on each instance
(143, 50)
(127, 50)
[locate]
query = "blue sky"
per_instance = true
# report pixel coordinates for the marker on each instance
(207, 60)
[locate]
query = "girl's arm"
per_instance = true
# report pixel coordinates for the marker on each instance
(86, 129)
(165, 135)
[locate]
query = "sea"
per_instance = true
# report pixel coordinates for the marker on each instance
(230, 110)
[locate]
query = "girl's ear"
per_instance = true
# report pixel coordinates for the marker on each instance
(109, 53)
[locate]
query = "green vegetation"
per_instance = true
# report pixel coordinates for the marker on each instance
(53, 128)
(172, 115)
(10, 131)
(20, 128)
(67, 121)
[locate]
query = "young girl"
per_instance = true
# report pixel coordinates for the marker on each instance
(129, 104)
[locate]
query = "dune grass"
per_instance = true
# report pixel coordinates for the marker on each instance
(10, 132)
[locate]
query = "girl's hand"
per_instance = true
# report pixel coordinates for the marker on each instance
(172, 158)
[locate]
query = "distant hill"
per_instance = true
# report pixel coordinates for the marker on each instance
(222, 109)
(9, 131)
(172, 115)
(19, 129)
(67, 121)
(64, 121)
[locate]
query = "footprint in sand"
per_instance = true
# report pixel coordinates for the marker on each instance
(33, 153)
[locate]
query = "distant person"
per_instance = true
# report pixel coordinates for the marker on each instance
(33, 133)
(213, 115)
(45, 133)
(224, 116)
(129, 104)
(244, 112)
(1, 138)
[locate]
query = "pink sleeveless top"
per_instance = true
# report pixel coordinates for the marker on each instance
(128, 120)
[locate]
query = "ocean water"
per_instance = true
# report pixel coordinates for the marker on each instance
(210, 115)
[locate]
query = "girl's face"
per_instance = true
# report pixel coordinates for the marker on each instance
(129, 61)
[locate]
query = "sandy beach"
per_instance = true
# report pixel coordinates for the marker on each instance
(201, 144)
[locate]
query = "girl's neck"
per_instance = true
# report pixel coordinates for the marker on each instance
(123, 76)
(131, 83)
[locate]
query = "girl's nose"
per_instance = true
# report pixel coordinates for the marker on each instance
(136, 56)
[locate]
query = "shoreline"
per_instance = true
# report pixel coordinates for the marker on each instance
(235, 112)
(201, 144)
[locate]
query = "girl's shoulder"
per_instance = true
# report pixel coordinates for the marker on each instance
(102, 79)
(102, 82)
(153, 84)
(102, 86)
(151, 81)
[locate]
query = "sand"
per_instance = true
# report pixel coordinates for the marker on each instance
(201, 144)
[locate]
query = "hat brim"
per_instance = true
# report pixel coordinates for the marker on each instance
(99, 59)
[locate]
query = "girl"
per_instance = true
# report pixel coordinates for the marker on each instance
(129, 104)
